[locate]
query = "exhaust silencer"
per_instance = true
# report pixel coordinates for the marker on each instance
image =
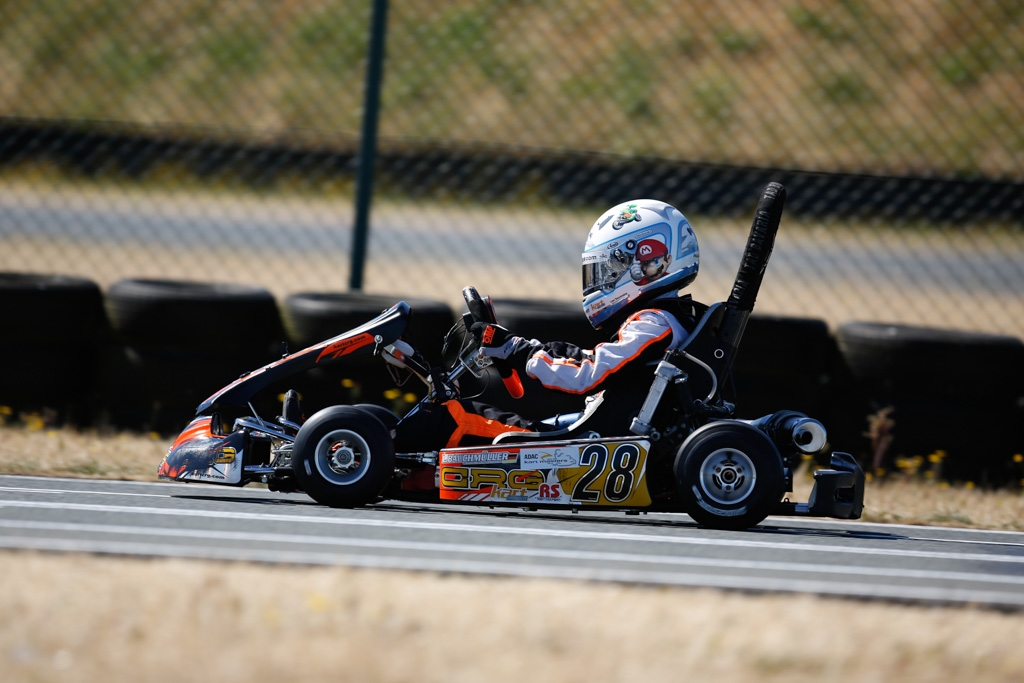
(788, 427)
(808, 435)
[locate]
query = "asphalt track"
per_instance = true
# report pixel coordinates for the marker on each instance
(913, 564)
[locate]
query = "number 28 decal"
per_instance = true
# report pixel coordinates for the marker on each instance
(618, 468)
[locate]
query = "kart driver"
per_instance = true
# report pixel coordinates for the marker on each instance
(637, 258)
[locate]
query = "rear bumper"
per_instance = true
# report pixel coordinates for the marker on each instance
(838, 492)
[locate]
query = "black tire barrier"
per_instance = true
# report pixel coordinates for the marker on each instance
(783, 363)
(911, 361)
(150, 388)
(174, 343)
(193, 315)
(312, 317)
(950, 391)
(50, 327)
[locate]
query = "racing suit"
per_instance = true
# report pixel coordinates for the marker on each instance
(623, 368)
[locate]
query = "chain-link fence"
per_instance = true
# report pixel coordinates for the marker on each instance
(217, 140)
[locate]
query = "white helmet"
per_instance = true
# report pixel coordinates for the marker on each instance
(636, 251)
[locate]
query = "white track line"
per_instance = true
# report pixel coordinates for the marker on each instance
(636, 536)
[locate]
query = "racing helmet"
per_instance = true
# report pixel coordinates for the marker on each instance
(634, 252)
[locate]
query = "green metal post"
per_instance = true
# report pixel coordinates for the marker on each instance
(368, 141)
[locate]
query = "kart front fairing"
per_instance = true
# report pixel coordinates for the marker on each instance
(383, 330)
(198, 454)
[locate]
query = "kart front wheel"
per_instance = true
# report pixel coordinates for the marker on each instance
(343, 457)
(729, 475)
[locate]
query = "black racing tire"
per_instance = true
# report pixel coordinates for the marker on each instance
(387, 417)
(312, 317)
(729, 475)
(55, 309)
(343, 457)
(193, 315)
(889, 362)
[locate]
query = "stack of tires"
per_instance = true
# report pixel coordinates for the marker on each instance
(174, 343)
(50, 329)
(950, 392)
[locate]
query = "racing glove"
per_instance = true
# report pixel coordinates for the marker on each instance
(495, 340)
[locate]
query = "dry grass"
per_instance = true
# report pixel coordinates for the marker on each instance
(33, 449)
(99, 619)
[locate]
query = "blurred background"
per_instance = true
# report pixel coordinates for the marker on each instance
(219, 141)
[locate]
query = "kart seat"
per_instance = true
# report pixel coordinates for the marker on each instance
(562, 421)
(567, 423)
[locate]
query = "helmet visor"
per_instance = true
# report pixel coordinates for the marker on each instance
(601, 272)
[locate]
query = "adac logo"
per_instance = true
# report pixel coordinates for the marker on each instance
(627, 215)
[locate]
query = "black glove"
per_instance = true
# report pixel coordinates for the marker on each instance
(495, 340)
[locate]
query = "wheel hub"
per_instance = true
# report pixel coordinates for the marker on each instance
(727, 476)
(343, 458)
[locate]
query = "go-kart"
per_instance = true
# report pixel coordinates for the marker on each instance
(686, 450)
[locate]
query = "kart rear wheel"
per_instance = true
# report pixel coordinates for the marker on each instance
(343, 457)
(729, 475)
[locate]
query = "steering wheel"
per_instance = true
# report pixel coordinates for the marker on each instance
(482, 311)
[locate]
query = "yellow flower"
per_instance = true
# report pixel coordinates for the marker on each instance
(392, 394)
(1018, 457)
(318, 602)
(410, 397)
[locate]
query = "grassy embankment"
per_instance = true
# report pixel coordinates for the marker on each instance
(870, 85)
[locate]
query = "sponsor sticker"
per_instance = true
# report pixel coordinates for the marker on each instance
(479, 458)
(548, 458)
(605, 473)
(226, 456)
